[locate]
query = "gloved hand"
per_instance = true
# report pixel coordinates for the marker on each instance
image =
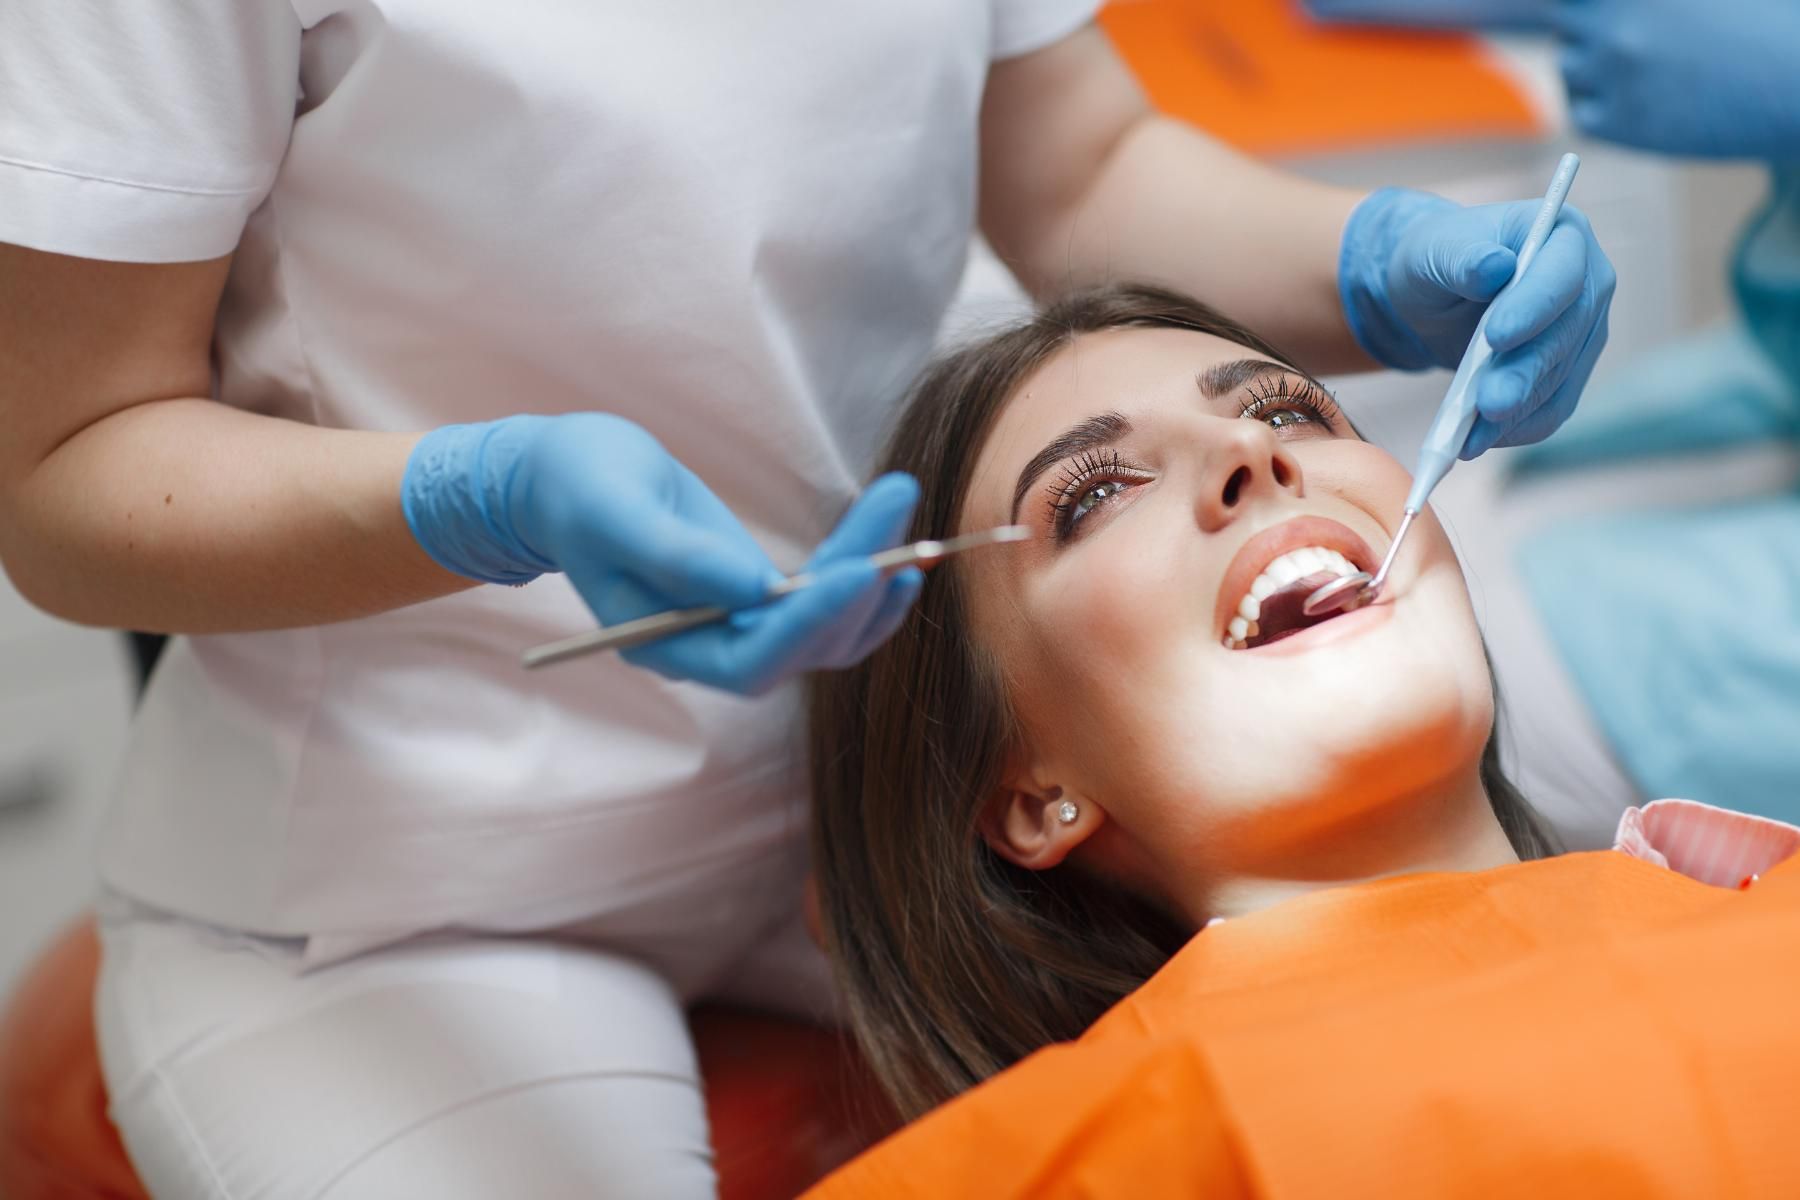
(598, 498)
(1718, 78)
(1436, 14)
(1417, 270)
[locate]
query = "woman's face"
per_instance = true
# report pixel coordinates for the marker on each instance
(1165, 474)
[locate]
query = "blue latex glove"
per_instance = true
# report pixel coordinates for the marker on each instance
(1417, 271)
(598, 498)
(1706, 77)
(1739, 383)
(1436, 14)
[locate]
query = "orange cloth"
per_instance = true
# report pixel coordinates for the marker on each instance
(1265, 77)
(1590, 1025)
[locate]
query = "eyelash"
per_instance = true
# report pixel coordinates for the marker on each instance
(1290, 393)
(1283, 393)
(1080, 474)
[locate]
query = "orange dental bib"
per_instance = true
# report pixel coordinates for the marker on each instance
(1589, 1025)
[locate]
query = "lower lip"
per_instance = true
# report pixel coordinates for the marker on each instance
(1327, 632)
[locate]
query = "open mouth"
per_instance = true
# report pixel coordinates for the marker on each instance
(1276, 571)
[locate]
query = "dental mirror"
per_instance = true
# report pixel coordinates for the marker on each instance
(1354, 591)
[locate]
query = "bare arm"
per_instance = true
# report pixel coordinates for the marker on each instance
(1082, 183)
(129, 499)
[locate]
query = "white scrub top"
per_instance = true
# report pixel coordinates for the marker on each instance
(736, 222)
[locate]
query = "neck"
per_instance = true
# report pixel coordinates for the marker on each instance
(1446, 828)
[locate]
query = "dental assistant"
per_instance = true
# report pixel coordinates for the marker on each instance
(319, 315)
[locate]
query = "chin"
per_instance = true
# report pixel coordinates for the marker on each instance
(1396, 756)
(1421, 721)
(1397, 715)
(1402, 748)
(1420, 675)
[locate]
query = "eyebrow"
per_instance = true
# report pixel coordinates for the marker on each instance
(1226, 378)
(1097, 431)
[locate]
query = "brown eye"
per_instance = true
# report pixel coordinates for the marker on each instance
(1283, 417)
(1095, 496)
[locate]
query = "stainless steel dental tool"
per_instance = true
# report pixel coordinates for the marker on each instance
(1450, 429)
(627, 634)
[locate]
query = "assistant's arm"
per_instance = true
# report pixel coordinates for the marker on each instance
(1083, 183)
(130, 499)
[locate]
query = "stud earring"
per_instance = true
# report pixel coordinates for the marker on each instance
(1066, 812)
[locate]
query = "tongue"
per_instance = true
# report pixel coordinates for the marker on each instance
(1281, 613)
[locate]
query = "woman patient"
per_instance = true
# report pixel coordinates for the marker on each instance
(1085, 749)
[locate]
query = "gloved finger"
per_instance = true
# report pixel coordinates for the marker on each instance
(1549, 418)
(808, 627)
(1578, 23)
(1535, 426)
(1539, 425)
(1555, 279)
(614, 597)
(1517, 382)
(751, 652)
(1579, 74)
(1482, 436)
(687, 561)
(876, 521)
(1470, 270)
(1595, 72)
(902, 590)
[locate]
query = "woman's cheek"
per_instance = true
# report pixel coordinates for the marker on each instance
(1129, 609)
(1359, 472)
(1083, 661)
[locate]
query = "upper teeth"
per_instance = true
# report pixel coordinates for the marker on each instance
(1295, 564)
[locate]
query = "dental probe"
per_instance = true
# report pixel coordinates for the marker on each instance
(1450, 428)
(637, 632)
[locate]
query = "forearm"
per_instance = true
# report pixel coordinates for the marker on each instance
(1170, 205)
(1083, 183)
(187, 516)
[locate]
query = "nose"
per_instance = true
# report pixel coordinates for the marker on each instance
(1245, 462)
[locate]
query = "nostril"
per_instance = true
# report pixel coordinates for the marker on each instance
(1234, 485)
(1283, 476)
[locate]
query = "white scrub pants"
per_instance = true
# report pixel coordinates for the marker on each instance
(451, 1065)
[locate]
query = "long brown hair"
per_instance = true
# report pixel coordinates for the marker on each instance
(953, 962)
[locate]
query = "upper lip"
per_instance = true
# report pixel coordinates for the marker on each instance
(1277, 540)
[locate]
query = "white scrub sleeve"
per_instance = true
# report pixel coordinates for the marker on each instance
(1021, 26)
(142, 130)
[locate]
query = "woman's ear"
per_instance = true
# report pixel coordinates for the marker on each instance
(1036, 827)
